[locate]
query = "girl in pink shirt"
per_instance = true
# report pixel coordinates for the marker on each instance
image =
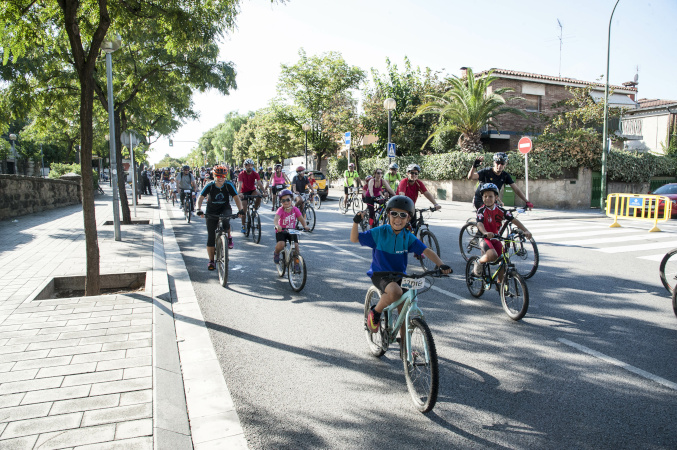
(285, 219)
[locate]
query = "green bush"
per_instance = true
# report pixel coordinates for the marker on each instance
(56, 170)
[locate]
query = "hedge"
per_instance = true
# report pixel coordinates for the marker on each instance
(57, 169)
(551, 158)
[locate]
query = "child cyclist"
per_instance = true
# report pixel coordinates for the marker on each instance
(218, 203)
(489, 219)
(285, 219)
(391, 244)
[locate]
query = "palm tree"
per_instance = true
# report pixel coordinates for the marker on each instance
(466, 107)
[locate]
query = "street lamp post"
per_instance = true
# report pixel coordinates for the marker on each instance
(389, 104)
(306, 128)
(109, 47)
(204, 154)
(605, 130)
(224, 154)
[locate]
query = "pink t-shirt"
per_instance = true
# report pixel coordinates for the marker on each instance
(288, 219)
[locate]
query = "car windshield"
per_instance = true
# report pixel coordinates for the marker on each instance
(666, 189)
(318, 175)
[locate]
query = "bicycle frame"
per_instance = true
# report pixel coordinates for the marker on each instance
(409, 303)
(504, 261)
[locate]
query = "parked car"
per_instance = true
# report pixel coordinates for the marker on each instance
(321, 181)
(667, 190)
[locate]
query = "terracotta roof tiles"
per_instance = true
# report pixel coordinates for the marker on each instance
(551, 78)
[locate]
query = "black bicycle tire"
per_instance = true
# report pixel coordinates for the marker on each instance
(674, 301)
(282, 265)
(302, 264)
(508, 278)
(247, 225)
(186, 207)
(222, 259)
(431, 398)
(465, 239)
(256, 227)
(309, 210)
(517, 263)
(342, 209)
(661, 269)
(373, 339)
(470, 277)
(422, 235)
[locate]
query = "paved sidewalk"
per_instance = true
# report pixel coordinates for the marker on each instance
(104, 371)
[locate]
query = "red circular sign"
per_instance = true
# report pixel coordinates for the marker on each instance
(524, 145)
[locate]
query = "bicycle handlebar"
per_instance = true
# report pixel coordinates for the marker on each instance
(437, 273)
(218, 216)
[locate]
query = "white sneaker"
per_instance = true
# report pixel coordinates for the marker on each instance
(478, 269)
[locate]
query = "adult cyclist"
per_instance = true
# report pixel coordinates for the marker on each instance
(496, 175)
(247, 182)
(279, 178)
(350, 178)
(412, 186)
(185, 181)
(299, 184)
(392, 178)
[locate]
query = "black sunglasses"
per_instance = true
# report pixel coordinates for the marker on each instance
(414, 173)
(401, 215)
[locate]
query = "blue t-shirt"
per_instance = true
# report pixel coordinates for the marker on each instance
(390, 250)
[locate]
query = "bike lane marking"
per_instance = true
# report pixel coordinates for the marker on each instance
(621, 364)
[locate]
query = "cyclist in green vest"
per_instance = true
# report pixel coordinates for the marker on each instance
(350, 178)
(391, 177)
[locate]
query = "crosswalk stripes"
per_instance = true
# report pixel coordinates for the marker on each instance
(600, 238)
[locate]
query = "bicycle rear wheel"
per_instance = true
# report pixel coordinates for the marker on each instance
(297, 275)
(524, 256)
(430, 241)
(374, 340)
(256, 227)
(514, 295)
(668, 270)
(310, 217)
(342, 206)
(468, 242)
(421, 367)
(475, 284)
(222, 259)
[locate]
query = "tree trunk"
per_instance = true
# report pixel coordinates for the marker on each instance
(470, 143)
(122, 187)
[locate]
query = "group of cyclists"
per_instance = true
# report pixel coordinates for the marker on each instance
(221, 184)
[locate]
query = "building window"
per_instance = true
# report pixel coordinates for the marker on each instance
(533, 102)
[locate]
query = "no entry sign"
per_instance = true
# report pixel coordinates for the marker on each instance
(524, 145)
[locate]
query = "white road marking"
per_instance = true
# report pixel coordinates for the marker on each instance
(604, 231)
(621, 364)
(631, 248)
(640, 237)
(658, 257)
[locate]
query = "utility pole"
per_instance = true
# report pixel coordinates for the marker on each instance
(560, 47)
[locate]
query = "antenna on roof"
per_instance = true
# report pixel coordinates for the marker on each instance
(560, 47)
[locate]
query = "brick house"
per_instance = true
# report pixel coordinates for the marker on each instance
(540, 92)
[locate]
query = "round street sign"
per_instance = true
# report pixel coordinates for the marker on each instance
(524, 145)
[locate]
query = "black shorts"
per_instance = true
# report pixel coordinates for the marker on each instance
(212, 223)
(380, 281)
(345, 190)
(282, 236)
(249, 192)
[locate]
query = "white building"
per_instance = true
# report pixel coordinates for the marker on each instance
(647, 127)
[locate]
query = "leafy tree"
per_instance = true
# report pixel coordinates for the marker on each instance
(264, 137)
(409, 88)
(466, 107)
(168, 161)
(223, 136)
(580, 111)
(317, 87)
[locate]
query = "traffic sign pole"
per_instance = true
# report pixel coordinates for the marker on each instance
(524, 146)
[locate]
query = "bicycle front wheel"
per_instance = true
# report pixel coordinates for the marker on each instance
(256, 228)
(430, 241)
(317, 201)
(421, 366)
(357, 204)
(282, 265)
(342, 205)
(475, 284)
(310, 217)
(222, 259)
(297, 273)
(514, 295)
(374, 340)
(668, 270)
(468, 242)
(186, 211)
(674, 301)
(248, 225)
(524, 256)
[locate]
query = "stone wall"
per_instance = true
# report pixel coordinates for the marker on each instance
(21, 195)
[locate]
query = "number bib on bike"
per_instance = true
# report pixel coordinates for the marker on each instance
(412, 283)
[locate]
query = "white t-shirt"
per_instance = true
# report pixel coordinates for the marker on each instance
(172, 186)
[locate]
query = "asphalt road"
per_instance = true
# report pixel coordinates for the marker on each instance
(592, 365)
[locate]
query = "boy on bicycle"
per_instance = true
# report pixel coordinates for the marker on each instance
(489, 219)
(218, 192)
(391, 244)
(285, 219)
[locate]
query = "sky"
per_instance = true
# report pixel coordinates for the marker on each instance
(445, 35)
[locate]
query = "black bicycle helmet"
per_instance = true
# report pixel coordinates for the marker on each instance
(401, 202)
(186, 167)
(489, 187)
(501, 158)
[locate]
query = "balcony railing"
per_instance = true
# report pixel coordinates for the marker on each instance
(631, 127)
